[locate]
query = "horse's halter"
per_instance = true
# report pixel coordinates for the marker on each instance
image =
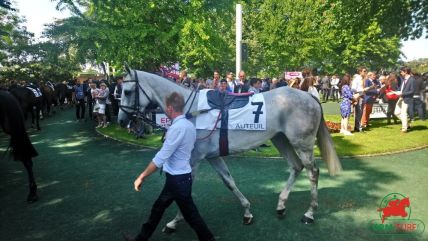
(130, 110)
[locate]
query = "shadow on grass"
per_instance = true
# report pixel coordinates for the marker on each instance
(86, 193)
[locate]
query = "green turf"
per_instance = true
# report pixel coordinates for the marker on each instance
(86, 193)
(380, 137)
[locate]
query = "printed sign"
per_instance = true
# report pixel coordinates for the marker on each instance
(379, 110)
(394, 217)
(290, 75)
(163, 120)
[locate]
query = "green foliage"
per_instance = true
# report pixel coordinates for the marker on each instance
(418, 66)
(332, 36)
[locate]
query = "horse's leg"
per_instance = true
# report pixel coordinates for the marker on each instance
(221, 168)
(306, 154)
(33, 109)
(38, 109)
(313, 174)
(32, 195)
(284, 147)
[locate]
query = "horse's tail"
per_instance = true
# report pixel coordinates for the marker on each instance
(328, 152)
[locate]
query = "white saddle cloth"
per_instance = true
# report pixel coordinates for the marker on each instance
(250, 117)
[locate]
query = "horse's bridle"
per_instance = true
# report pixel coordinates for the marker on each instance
(136, 108)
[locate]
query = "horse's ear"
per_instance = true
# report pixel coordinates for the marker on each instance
(127, 68)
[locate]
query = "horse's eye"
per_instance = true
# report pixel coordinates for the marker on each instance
(127, 92)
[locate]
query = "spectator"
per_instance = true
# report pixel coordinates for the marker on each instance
(295, 83)
(79, 96)
(265, 85)
(101, 101)
(117, 93)
(391, 86)
(418, 99)
(325, 87)
(309, 82)
(255, 85)
(345, 105)
(89, 98)
(216, 80)
(230, 81)
(357, 87)
(274, 83)
(241, 86)
(334, 83)
(223, 87)
(281, 83)
(406, 93)
(184, 80)
(371, 91)
(201, 83)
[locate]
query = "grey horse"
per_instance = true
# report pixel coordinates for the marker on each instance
(294, 123)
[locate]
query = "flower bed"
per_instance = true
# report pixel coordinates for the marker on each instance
(334, 127)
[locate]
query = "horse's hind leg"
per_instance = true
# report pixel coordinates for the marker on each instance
(306, 155)
(38, 109)
(286, 150)
(221, 168)
(313, 174)
(32, 195)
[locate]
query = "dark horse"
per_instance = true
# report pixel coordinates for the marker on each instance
(29, 103)
(63, 93)
(49, 99)
(12, 123)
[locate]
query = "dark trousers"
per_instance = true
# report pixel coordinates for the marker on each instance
(359, 107)
(418, 106)
(108, 115)
(80, 109)
(90, 109)
(325, 94)
(411, 110)
(115, 106)
(391, 110)
(177, 188)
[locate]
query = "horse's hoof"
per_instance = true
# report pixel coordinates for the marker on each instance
(32, 198)
(280, 213)
(248, 220)
(168, 230)
(307, 220)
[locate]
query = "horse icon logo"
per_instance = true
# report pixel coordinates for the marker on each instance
(394, 206)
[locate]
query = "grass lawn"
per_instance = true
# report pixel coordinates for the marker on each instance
(86, 192)
(380, 138)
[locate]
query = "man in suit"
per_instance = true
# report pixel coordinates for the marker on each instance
(407, 91)
(241, 85)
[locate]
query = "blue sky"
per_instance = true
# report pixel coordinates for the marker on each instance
(39, 12)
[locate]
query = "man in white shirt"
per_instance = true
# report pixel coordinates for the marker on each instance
(174, 159)
(357, 88)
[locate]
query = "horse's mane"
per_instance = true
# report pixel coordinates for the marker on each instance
(10, 111)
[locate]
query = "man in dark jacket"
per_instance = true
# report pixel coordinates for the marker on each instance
(418, 103)
(407, 90)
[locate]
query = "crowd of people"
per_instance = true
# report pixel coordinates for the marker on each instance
(357, 94)
(99, 100)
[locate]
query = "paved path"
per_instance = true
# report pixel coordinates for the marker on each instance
(86, 193)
